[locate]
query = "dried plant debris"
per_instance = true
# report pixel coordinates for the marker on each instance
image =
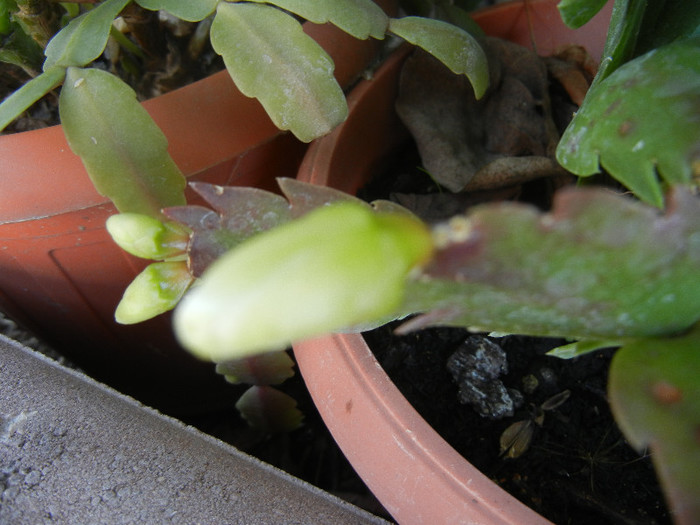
(507, 137)
(516, 439)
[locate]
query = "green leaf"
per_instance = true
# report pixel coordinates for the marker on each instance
(189, 10)
(625, 24)
(72, 11)
(655, 397)
(123, 150)
(14, 105)
(666, 21)
(641, 120)
(20, 49)
(271, 368)
(269, 410)
(578, 348)
(147, 237)
(576, 13)
(359, 18)
(257, 297)
(460, 17)
(84, 38)
(269, 57)
(5, 19)
(157, 289)
(453, 46)
(600, 266)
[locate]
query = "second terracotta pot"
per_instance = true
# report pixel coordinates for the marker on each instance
(62, 276)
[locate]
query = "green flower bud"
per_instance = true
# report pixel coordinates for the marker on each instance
(337, 267)
(157, 289)
(147, 237)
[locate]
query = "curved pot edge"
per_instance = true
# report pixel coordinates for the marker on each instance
(418, 477)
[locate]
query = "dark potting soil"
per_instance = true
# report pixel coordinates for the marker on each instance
(577, 469)
(310, 453)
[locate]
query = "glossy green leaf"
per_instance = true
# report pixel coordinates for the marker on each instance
(600, 266)
(578, 348)
(5, 20)
(258, 298)
(271, 368)
(84, 38)
(123, 150)
(359, 18)
(147, 237)
(156, 290)
(641, 120)
(267, 409)
(625, 24)
(655, 397)
(269, 57)
(576, 13)
(189, 10)
(14, 105)
(666, 21)
(453, 46)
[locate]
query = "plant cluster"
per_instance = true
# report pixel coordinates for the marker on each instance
(601, 269)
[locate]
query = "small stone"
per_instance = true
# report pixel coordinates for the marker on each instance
(475, 367)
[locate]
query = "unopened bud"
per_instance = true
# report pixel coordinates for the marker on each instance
(148, 237)
(337, 267)
(157, 289)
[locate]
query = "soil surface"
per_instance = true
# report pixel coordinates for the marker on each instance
(577, 469)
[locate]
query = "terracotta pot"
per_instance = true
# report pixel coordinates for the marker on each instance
(62, 276)
(413, 472)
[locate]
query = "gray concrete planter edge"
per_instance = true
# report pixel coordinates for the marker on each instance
(73, 450)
